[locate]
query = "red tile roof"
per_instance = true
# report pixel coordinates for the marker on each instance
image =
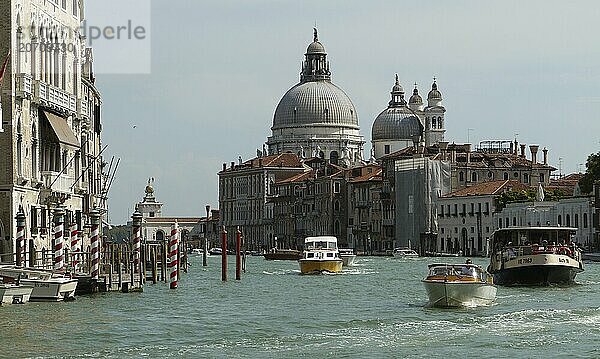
(488, 188)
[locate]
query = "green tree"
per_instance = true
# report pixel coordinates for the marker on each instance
(592, 173)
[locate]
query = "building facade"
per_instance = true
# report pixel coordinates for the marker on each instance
(50, 138)
(365, 221)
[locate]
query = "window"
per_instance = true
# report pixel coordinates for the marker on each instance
(542, 177)
(505, 175)
(474, 177)
(576, 220)
(336, 187)
(568, 220)
(442, 210)
(585, 220)
(336, 205)
(461, 176)
(516, 174)
(75, 7)
(525, 178)
(351, 221)
(499, 222)
(386, 149)
(560, 220)
(151, 214)
(472, 229)
(514, 221)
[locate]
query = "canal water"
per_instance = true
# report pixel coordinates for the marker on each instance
(374, 310)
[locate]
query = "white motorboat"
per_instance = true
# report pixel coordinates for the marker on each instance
(459, 285)
(47, 286)
(348, 256)
(215, 251)
(404, 253)
(14, 293)
(534, 256)
(196, 251)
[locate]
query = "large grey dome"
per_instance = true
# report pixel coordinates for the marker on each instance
(315, 103)
(396, 123)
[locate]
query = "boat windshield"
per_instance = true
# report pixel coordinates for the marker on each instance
(321, 245)
(457, 271)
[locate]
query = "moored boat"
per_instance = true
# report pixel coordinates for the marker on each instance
(47, 286)
(215, 251)
(405, 253)
(534, 256)
(14, 293)
(283, 254)
(320, 255)
(348, 256)
(459, 285)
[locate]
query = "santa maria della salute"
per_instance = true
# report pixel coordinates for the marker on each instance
(316, 118)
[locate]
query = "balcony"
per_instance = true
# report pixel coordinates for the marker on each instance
(57, 182)
(54, 97)
(24, 86)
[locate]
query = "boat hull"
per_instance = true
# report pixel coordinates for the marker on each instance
(14, 294)
(459, 294)
(53, 290)
(308, 266)
(283, 256)
(536, 275)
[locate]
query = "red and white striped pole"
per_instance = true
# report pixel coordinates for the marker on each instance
(95, 243)
(137, 238)
(59, 224)
(20, 237)
(74, 245)
(173, 244)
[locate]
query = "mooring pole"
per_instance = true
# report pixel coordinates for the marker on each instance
(74, 245)
(136, 231)
(20, 236)
(224, 255)
(174, 242)
(59, 224)
(95, 244)
(238, 258)
(204, 248)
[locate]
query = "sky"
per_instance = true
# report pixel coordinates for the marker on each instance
(506, 69)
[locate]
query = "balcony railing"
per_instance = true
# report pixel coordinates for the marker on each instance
(24, 86)
(53, 96)
(57, 182)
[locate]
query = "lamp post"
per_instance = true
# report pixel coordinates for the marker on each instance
(204, 248)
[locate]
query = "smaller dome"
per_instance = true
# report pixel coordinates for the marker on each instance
(396, 123)
(316, 47)
(434, 94)
(397, 87)
(415, 99)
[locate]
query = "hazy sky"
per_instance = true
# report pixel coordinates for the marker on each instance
(220, 67)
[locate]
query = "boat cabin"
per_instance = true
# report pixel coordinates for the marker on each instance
(519, 241)
(316, 243)
(458, 272)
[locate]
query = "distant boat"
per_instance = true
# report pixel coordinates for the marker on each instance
(215, 251)
(283, 255)
(405, 253)
(196, 251)
(459, 285)
(320, 255)
(591, 256)
(348, 256)
(534, 256)
(443, 254)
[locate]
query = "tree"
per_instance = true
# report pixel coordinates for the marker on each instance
(592, 174)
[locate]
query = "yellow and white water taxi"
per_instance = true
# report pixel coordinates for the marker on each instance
(320, 255)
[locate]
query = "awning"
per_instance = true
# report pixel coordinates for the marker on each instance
(62, 130)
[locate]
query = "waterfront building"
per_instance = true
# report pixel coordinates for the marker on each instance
(316, 118)
(465, 217)
(244, 191)
(365, 221)
(50, 127)
(403, 124)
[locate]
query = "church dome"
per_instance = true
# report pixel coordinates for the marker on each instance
(434, 94)
(415, 99)
(316, 47)
(315, 103)
(397, 122)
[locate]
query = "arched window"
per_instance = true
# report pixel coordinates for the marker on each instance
(499, 222)
(336, 227)
(333, 157)
(34, 154)
(19, 148)
(160, 235)
(461, 176)
(474, 177)
(525, 178)
(336, 205)
(505, 175)
(559, 220)
(585, 220)
(568, 220)
(576, 220)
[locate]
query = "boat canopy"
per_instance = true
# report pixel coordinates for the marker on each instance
(325, 242)
(526, 236)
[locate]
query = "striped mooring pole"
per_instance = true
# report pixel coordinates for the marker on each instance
(173, 244)
(74, 245)
(59, 224)
(136, 231)
(224, 255)
(20, 237)
(95, 243)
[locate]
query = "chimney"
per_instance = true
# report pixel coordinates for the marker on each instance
(224, 167)
(260, 162)
(468, 149)
(512, 147)
(534, 151)
(523, 150)
(516, 147)
(232, 165)
(545, 150)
